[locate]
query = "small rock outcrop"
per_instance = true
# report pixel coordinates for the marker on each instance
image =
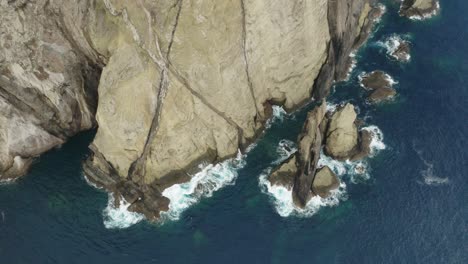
(342, 134)
(379, 84)
(402, 51)
(419, 9)
(284, 174)
(325, 180)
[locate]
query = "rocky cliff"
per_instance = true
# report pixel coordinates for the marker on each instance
(169, 84)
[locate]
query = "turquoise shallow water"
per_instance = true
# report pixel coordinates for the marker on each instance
(413, 209)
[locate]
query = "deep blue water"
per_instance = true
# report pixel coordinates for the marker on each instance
(53, 216)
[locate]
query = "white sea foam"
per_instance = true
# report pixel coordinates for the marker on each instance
(377, 142)
(331, 108)
(352, 66)
(391, 44)
(278, 115)
(91, 183)
(284, 150)
(119, 217)
(356, 170)
(430, 178)
(283, 201)
(6, 181)
(203, 184)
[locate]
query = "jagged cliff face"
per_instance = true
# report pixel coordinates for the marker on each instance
(182, 81)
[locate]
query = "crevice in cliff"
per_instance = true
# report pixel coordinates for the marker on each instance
(179, 2)
(136, 170)
(244, 51)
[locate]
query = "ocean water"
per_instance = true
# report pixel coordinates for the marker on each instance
(410, 205)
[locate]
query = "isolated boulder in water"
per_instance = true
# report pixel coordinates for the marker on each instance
(381, 85)
(325, 180)
(342, 133)
(284, 175)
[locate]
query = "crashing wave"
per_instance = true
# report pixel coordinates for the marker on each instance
(6, 181)
(377, 142)
(285, 149)
(203, 184)
(119, 217)
(91, 183)
(352, 65)
(283, 201)
(278, 115)
(391, 44)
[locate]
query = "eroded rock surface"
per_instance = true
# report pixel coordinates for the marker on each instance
(183, 82)
(342, 134)
(308, 154)
(325, 180)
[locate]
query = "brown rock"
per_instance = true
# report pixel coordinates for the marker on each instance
(325, 180)
(380, 84)
(310, 143)
(284, 175)
(381, 94)
(363, 150)
(342, 133)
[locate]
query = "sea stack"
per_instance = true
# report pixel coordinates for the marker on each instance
(337, 133)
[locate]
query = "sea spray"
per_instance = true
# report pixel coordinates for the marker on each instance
(285, 149)
(278, 115)
(203, 184)
(391, 44)
(283, 201)
(119, 217)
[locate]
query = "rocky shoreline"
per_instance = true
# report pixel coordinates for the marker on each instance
(169, 94)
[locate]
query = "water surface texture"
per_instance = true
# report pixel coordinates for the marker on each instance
(413, 208)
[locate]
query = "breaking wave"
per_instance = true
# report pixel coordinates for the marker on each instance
(203, 184)
(284, 150)
(278, 115)
(392, 43)
(283, 202)
(119, 217)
